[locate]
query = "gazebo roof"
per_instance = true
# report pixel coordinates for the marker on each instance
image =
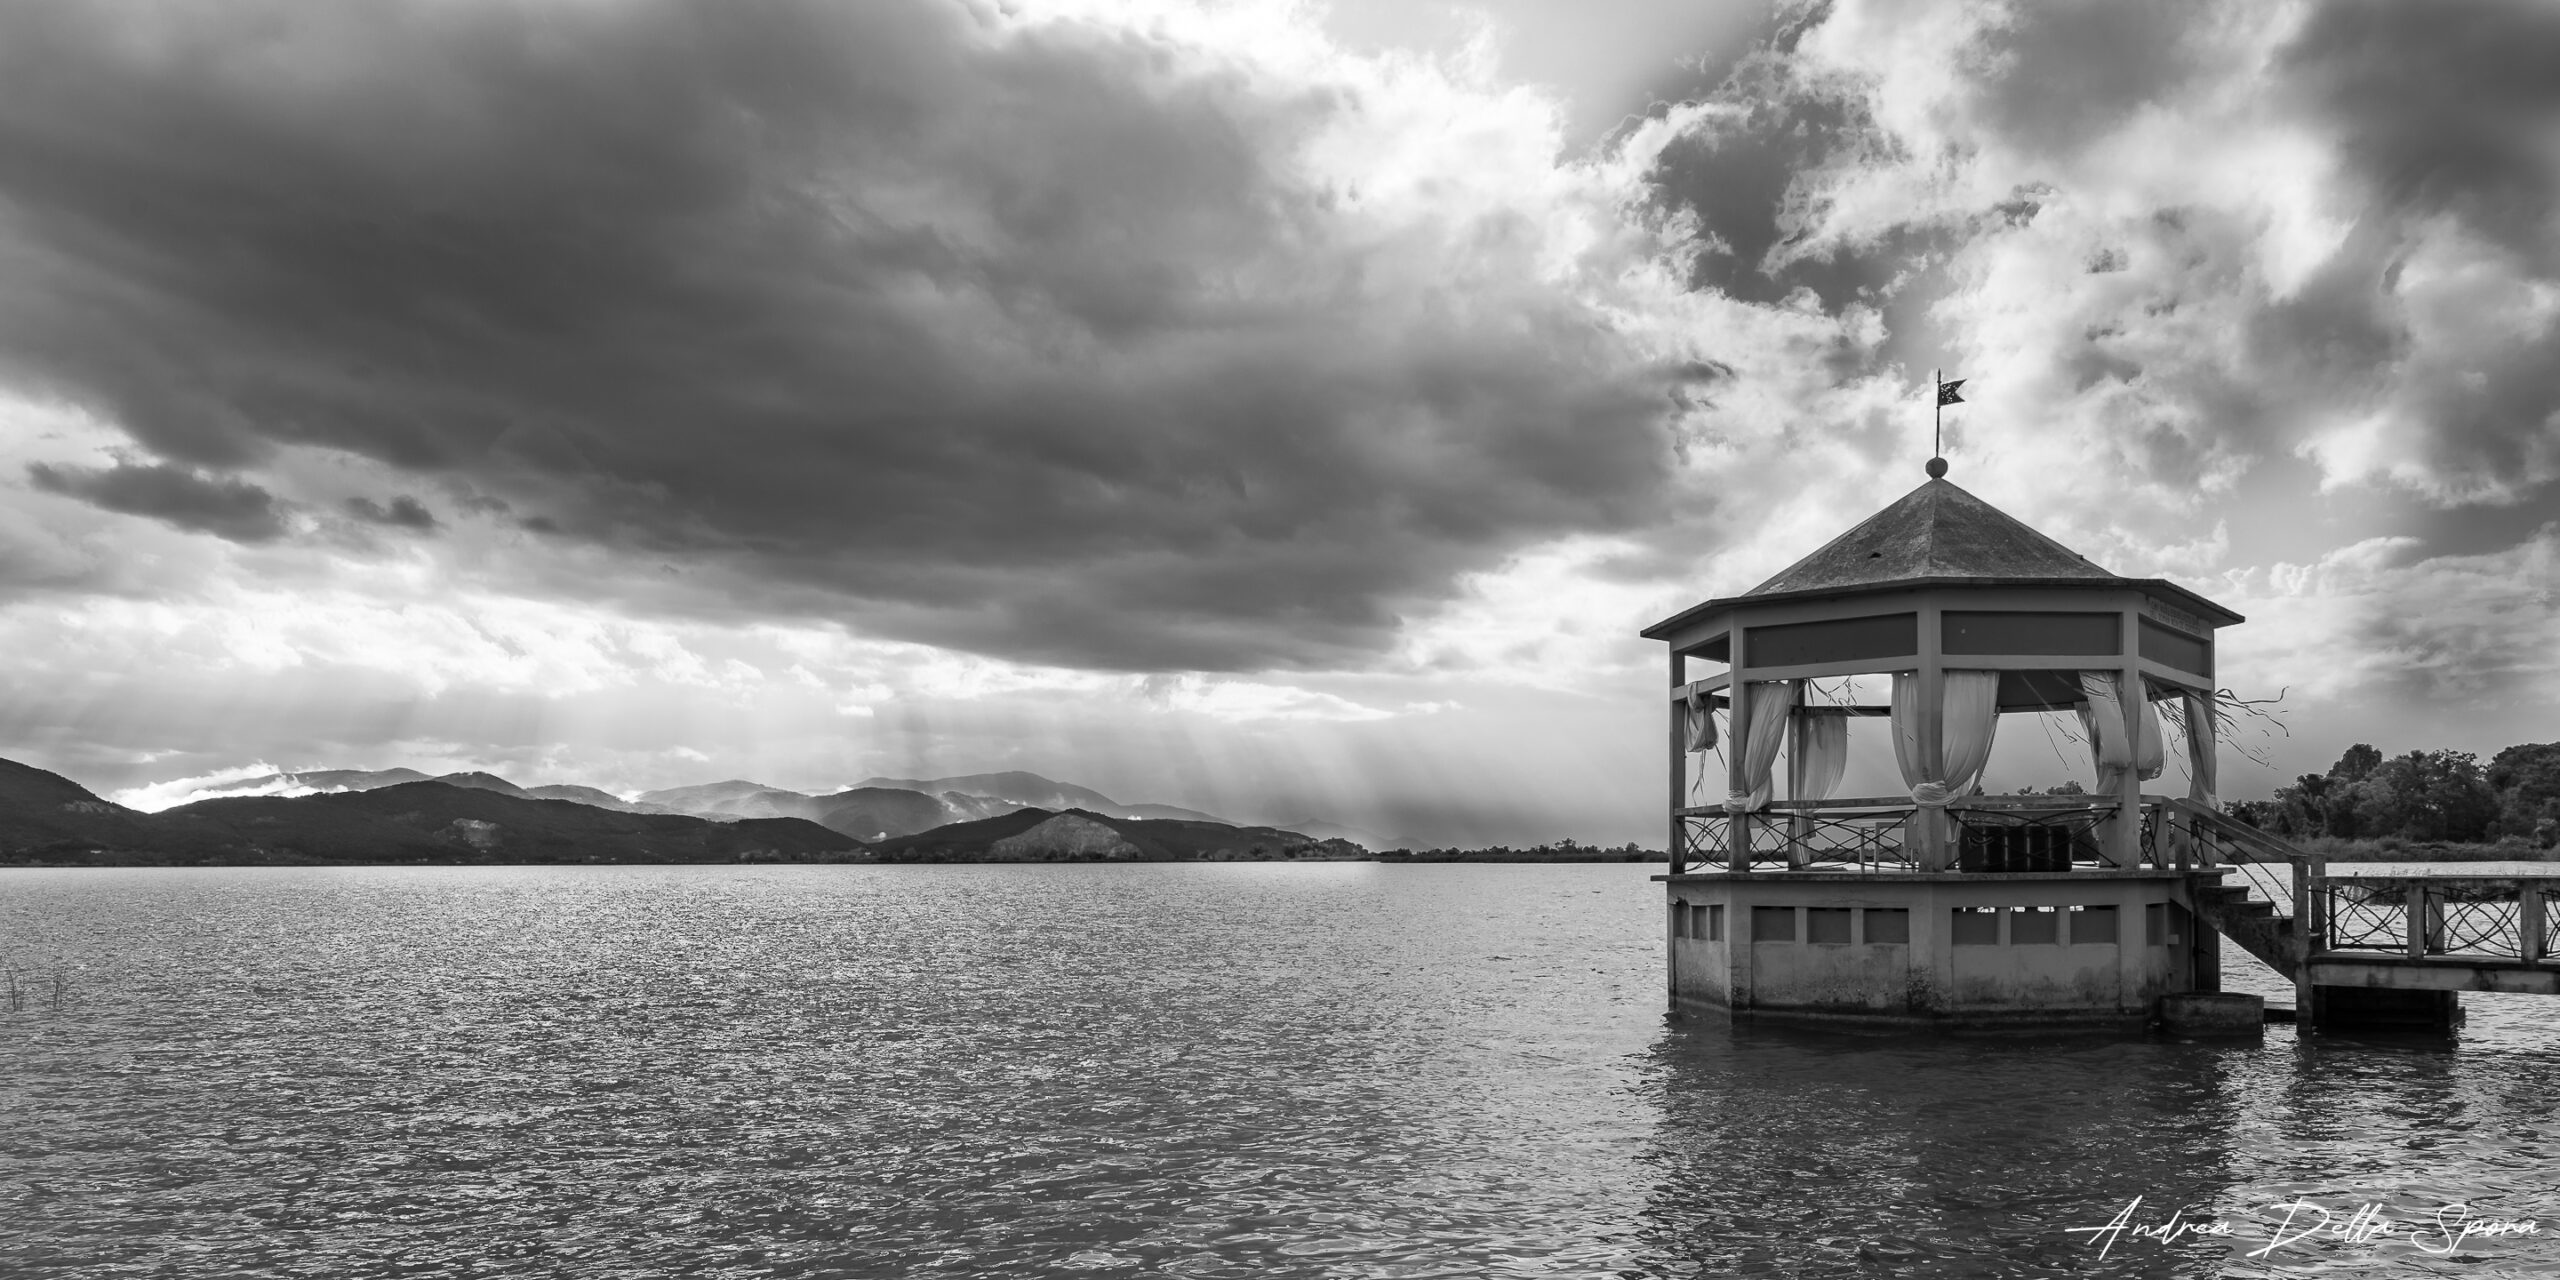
(1935, 531)
(1938, 535)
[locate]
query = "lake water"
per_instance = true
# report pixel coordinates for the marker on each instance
(1337, 1069)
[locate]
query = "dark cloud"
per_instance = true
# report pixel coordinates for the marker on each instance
(404, 512)
(2442, 108)
(1749, 176)
(224, 506)
(2059, 74)
(1033, 337)
(2445, 115)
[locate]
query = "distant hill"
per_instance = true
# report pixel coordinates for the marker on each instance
(736, 798)
(875, 813)
(478, 781)
(48, 818)
(875, 809)
(40, 810)
(1081, 835)
(1031, 791)
(1337, 831)
(581, 795)
(344, 779)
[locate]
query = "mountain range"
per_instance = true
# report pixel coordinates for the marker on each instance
(871, 810)
(402, 815)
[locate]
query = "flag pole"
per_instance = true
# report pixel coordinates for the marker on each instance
(1937, 415)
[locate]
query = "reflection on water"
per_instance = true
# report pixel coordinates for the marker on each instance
(1245, 1069)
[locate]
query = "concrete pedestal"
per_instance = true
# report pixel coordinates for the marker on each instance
(2212, 1014)
(1935, 949)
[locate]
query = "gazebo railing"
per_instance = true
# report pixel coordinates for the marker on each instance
(1987, 833)
(1862, 834)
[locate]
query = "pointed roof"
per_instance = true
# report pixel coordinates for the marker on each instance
(1936, 531)
(1938, 535)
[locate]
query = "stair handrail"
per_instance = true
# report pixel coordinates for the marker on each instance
(2269, 848)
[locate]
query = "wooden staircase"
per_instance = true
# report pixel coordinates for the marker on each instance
(2275, 939)
(2253, 923)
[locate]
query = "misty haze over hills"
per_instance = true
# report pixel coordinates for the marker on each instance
(873, 809)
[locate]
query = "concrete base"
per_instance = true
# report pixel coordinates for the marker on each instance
(2384, 1009)
(2212, 1013)
(2009, 950)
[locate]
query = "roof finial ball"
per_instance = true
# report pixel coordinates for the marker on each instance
(1937, 468)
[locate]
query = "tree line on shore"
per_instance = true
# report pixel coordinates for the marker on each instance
(2443, 796)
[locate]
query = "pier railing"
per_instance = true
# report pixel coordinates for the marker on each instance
(2470, 917)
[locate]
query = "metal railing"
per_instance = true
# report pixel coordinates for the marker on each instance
(1985, 833)
(1828, 835)
(2488, 918)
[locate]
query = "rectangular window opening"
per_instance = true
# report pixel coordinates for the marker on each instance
(2035, 925)
(2093, 926)
(1715, 924)
(2155, 924)
(1976, 927)
(1889, 924)
(1827, 925)
(1773, 924)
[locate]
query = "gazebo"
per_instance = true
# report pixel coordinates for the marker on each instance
(1973, 616)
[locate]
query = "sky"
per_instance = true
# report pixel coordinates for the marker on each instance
(1285, 410)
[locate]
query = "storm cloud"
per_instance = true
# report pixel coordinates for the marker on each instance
(1036, 338)
(225, 507)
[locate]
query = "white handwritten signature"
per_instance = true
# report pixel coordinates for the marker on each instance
(2301, 1220)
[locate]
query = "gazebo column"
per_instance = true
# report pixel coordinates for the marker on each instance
(1799, 855)
(1737, 823)
(1930, 824)
(1679, 766)
(2124, 845)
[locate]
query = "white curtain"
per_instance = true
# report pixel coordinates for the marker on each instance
(1701, 723)
(2200, 752)
(1822, 745)
(1969, 714)
(2102, 718)
(1972, 714)
(1906, 728)
(1764, 727)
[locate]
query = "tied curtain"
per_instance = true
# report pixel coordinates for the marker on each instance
(1764, 727)
(2102, 718)
(1970, 714)
(1701, 723)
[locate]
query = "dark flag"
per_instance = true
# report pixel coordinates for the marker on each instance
(1947, 392)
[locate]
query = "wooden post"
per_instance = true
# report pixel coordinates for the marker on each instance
(2302, 945)
(2319, 908)
(1737, 739)
(2532, 930)
(2414, 897)
(1677, 848)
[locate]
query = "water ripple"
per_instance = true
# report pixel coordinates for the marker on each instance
(1201, 1071)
